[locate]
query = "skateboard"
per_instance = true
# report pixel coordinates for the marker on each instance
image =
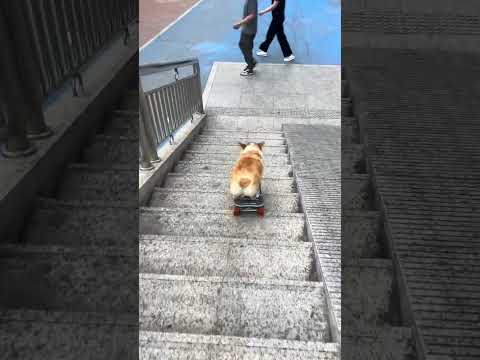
(248, 204)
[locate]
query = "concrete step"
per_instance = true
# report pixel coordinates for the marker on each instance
(122, 119)
(123, 123)
(278, 135)
(350, 134)
(39, 335)
(290, 310)
(347, 107)
(362, 234)
(169, 198)
(172, 346)
(67, 278)
(367, 292)
(232, 149)
(345, 92)
(96, 182)
(353, 159)
(215, 183)
(129, 131)
(75, 223)
(161, 221)
(230, 158)
(112, 149)
(129, 101)
(379, 343)
(209, 139)
(226, 257)
(357, 193)
(186, 167)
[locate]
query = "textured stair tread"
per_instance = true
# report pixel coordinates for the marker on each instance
(123, 124)
(125, 131)
(357, 192)
(367, 290)
(173, 346)
(200, 182)
(212, 139)
(112, 149)
(93, 182)
(168, 198)
(196, 168)
(233, 149)
(290, 310)
(64, 280)
(82, 223)
(361, 234)
(129, 101)
(242, 258)
(39, 335)
(226, 132)
(162, 221)
(377, 343)
(230, 159)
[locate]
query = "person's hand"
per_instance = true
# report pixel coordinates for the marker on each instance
(236, 26)
(261, 13)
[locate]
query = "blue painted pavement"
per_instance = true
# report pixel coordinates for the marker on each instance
(313, 28)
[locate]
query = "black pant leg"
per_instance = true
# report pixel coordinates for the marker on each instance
(246, 45)
(272, 31)
(282, 39)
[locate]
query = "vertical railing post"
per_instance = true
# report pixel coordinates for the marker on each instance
(148, 154)
(27, 61)
(199, 87)
(13, 96)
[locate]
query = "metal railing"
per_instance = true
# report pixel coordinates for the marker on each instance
(44, 44)
(166, 107)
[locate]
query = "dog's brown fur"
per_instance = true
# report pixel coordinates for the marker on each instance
(247, 173)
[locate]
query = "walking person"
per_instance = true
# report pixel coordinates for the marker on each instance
(249, 25)
(276, 29)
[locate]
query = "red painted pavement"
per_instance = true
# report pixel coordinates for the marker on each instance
(155, 15)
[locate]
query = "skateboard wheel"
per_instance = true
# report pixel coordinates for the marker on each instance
(261, 211)
(236, 211)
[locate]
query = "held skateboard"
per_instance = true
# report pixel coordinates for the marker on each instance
(248, 204)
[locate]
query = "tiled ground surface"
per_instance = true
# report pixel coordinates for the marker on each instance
(422, 133)
(286, 92)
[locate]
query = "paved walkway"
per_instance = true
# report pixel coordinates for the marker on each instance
(156, 15)
(313, 28)
(278, 94)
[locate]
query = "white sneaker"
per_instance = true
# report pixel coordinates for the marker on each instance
(262, 53)
(290, 58)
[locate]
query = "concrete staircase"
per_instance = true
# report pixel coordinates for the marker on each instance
(371, 323)
(217, 286)
(67, 283)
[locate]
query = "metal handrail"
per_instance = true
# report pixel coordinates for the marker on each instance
(148, 69)
(45, 44)
(165, 108)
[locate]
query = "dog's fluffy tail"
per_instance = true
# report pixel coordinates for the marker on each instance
(244, 183)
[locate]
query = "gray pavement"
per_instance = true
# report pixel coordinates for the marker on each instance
(313, 29)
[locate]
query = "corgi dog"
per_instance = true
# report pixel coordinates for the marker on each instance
(247, 173)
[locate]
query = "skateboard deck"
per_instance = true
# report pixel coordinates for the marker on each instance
(248, 204)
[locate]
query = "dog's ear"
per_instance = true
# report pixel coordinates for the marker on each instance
(261, 145)
(242, 145)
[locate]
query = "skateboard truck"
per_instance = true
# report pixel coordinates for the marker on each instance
(249, 204)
